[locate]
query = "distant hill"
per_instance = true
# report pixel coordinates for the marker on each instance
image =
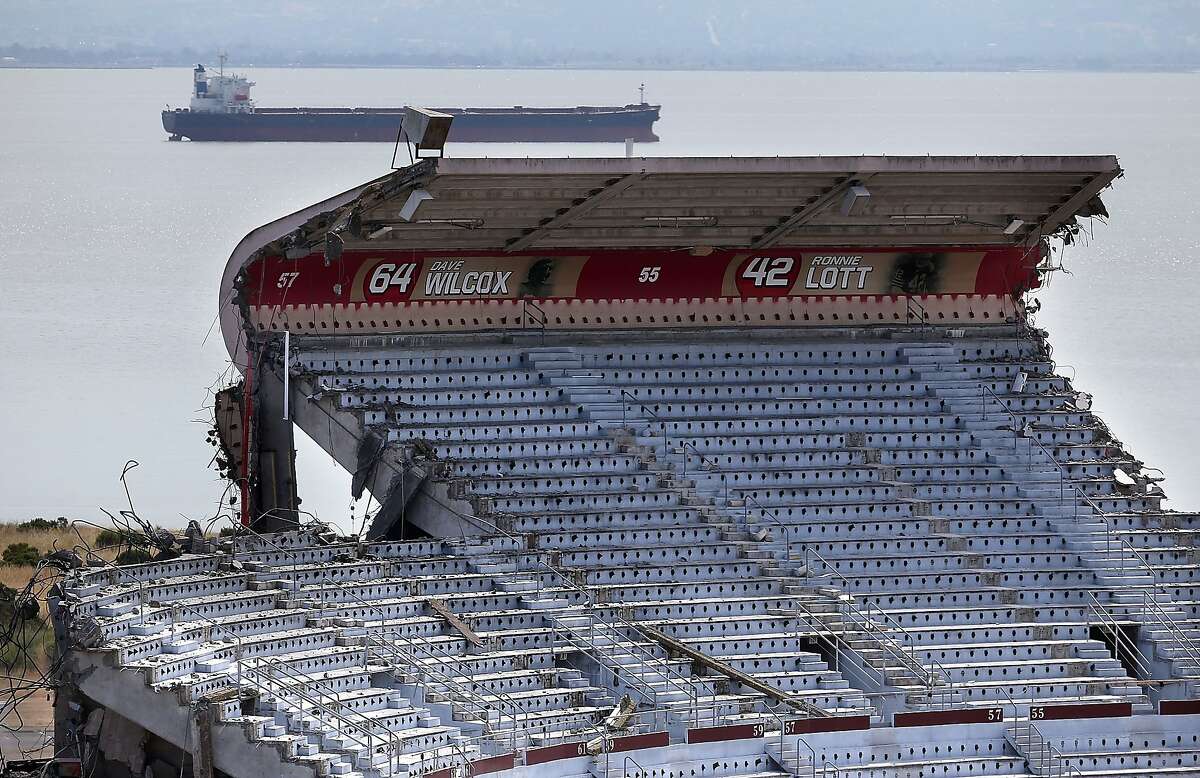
(852, 34)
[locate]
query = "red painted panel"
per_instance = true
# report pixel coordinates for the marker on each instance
(636, 742)
(939, 717)
(1178, 707)
(1083, 710)
(826, 724)
(733, 732)
(493, 764)
(554, 753)
(389, 276)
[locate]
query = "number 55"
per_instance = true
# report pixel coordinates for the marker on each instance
(648, 275)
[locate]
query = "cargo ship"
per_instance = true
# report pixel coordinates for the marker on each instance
(221, 109)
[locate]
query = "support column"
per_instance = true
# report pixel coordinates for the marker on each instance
(274, 503)
(202, 758)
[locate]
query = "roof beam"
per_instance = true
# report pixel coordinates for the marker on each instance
(745, 679)
(805, 213)
(574, 211)
(451, 618)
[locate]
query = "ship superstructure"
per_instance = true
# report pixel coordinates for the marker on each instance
(220, 93)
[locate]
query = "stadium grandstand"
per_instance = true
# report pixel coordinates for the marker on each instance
(685, 468)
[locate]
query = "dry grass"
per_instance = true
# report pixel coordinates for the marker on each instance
(43, 541)
(36, 710)
(17, 576)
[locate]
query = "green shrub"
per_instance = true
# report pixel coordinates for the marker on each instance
(43, 525)
(108, 537)
(132, 556)
(21, 555)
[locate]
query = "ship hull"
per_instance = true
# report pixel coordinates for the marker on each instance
(567, 125)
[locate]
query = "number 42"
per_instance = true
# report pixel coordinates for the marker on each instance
(769, 271)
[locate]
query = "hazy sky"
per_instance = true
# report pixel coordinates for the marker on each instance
(636, 33)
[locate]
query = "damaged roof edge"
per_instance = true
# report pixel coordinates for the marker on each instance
(750, 165)
(1097, 170)
(231, 325)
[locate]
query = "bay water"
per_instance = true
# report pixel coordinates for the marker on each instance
(112, 241)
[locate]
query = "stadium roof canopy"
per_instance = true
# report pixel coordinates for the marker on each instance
(748, 202)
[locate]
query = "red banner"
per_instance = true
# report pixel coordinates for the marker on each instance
(1178, 707)
(631, 274)
(554, 753)
(638, 742)
(1080, 710)
(826, 724)
(731, 732)
(933, 718)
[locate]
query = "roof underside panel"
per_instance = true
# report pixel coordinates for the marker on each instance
(527, 204)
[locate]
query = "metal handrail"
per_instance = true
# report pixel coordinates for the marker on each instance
(810, 551)
(1101, 514)
(541, 320)
(300, 692)
(589, 646)
(1188, 644)
(787, 535)
(682, 682)
(1050, 757)
(814, 621)
(590, 605)
(457, 693)
(424, 669)
(457, 745)
(1013, 703)
(704, 461)
(654, 719)
(787, 543)
(1120, 640)
(649, 660)
(1064, 482)
(812, 762)
(647, 409)
(368, 728)
(914, 308)
(1167, 621)
(468, 697)
(688, 688)
(927, 676)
